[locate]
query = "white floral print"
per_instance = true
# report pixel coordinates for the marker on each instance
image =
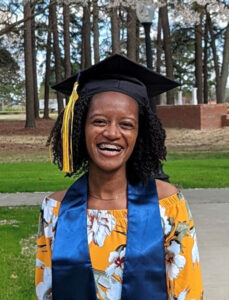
(112, 285)
(100, 224)
(195, 251)
(174, 261)
(181, 296)
(114, 292)
(47, 208)
(44, 288)
(166, 226)
(50, 220)
(116, 260)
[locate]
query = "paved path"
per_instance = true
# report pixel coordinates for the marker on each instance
(210, 209)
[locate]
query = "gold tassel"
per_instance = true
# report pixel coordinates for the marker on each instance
(66, 131)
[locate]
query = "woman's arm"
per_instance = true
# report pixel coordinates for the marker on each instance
(183, 271)
(46, 234)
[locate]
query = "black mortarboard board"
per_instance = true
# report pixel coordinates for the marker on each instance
(121, 68)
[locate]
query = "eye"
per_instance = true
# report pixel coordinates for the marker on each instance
(99, 122)
(127, 125)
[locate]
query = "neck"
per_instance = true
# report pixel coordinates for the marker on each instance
(107, 184)
(104, 186)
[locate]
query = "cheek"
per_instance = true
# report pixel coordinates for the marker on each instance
(88, 138)
(91, 134)
(132, 140)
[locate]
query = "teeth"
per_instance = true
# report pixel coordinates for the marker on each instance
(109, 147)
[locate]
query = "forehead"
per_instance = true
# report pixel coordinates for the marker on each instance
(114, 102)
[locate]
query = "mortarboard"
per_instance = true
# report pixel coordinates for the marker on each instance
(122, 68)
(115, 73)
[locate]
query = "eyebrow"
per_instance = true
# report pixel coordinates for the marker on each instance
(130, 118)
(101, 115)
(96, 115)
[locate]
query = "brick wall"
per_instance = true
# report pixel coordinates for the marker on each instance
(202, 116)
(225, 120)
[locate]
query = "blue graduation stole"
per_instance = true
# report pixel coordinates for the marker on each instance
(144, 274)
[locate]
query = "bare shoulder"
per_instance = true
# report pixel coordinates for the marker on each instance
(58, 196)
(165, 189)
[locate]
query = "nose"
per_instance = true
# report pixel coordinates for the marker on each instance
(112, 131)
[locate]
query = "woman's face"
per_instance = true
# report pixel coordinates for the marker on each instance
(111, 130)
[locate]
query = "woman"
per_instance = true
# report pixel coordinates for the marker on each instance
(116, 233)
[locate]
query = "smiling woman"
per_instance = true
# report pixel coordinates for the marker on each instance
(116, 233)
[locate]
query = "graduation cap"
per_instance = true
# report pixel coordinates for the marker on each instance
(115, 73)
(120, 68)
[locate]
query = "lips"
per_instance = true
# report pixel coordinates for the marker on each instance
(109, 150)
(109, 147)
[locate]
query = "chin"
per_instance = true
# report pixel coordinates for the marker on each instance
(109, 167)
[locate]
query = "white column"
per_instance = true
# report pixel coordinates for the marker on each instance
(180, 100)
(194, 96)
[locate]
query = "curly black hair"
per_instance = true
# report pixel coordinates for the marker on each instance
(145, 160)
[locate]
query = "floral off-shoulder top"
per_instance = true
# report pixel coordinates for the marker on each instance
(107, 231)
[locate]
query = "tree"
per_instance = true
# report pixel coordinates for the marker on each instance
(86, 41)
(34, 58)
(199, 56)
(47, 69)
(113, 24)
(96, 30)
(159, 50)
(205, 64)
(8, 26)
(225, 65)
(30, 117)
(131, 33)
(167, 49)
(67, 62)
(115, 30)
(220, 73)
(56, 52)
(192, 12)
(11, 85)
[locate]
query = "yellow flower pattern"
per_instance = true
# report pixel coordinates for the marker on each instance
(107, 232)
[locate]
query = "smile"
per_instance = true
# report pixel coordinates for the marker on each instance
(109, 149)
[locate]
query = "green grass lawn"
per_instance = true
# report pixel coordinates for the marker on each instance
(206, 170)
(198, 173)
(31, 177)
(18, 229)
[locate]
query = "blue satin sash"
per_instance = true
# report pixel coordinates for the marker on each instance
(144, 274)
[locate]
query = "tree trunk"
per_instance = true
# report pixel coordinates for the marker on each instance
(67, 61)
(86, 41)
(198, 61)
(30, 119)
(138, 24)
(168, 50)
(115, 31)
(205, 65)
(131, 33)
(47, 71)
(34, 57)
(159, 51)
(56, 53)
(96, 30)
(225, 64)
(216, 61)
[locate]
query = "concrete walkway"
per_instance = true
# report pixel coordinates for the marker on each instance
(210, 209)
